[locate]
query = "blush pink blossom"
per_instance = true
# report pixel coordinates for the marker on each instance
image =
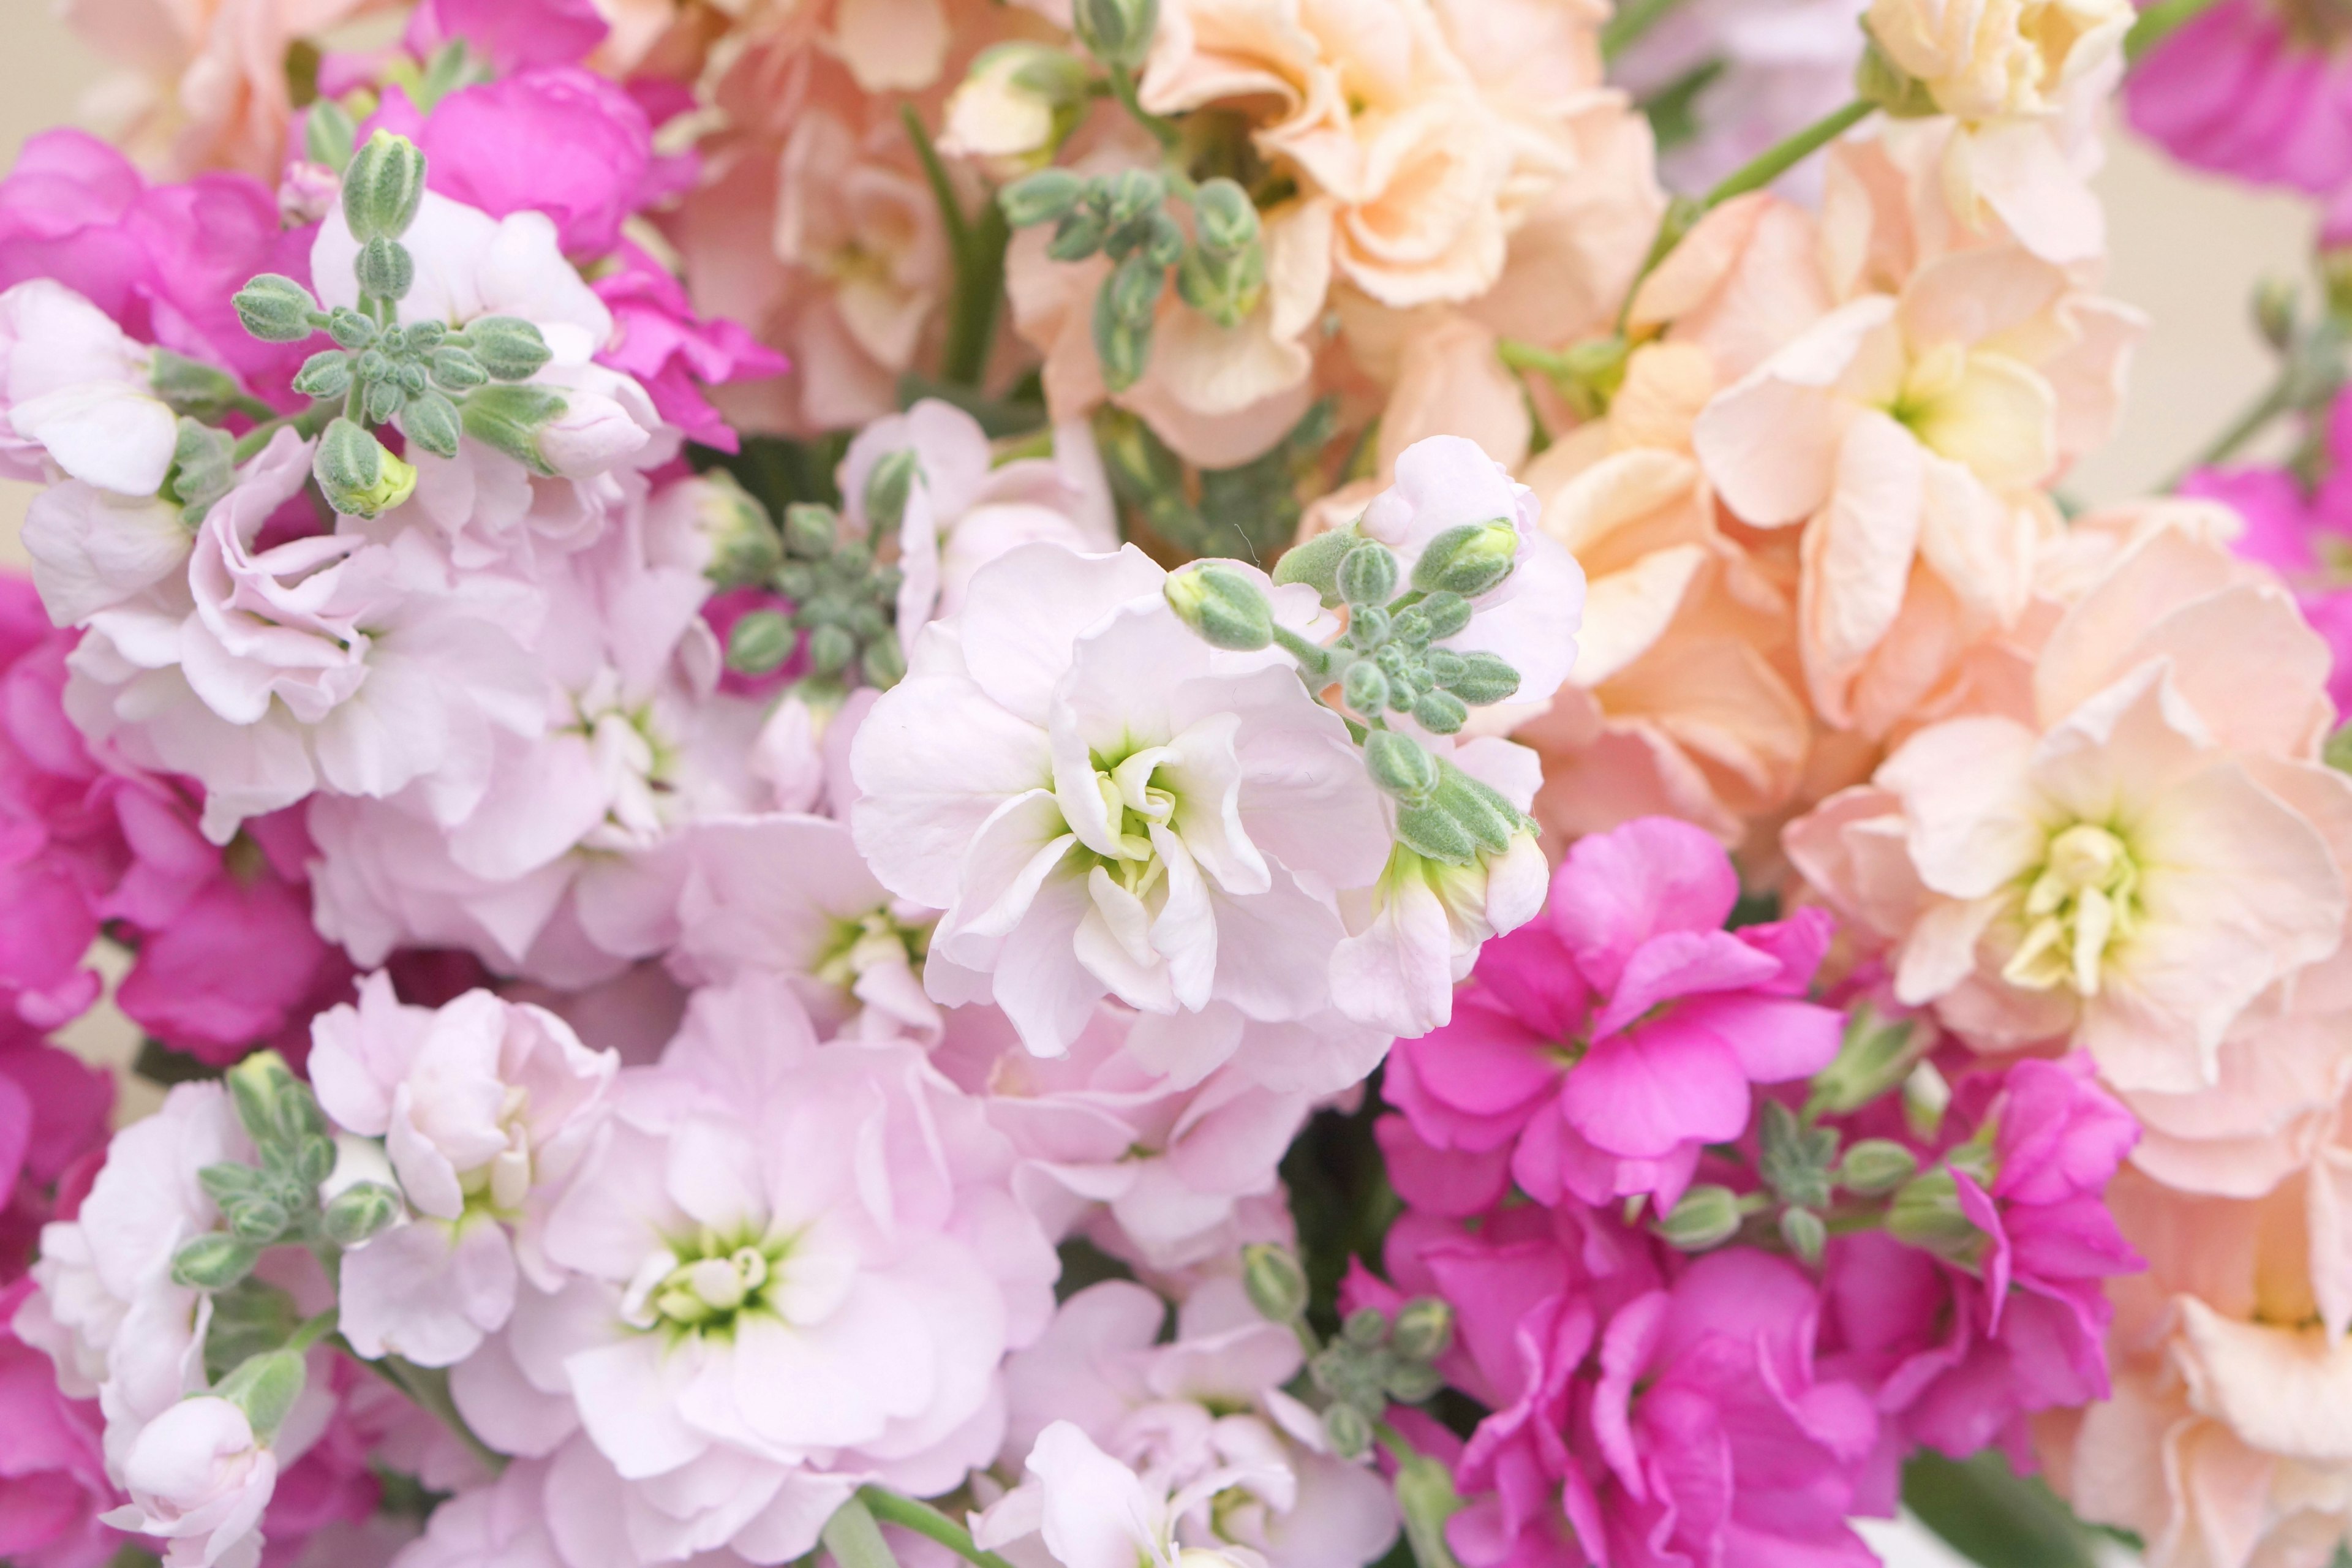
(1607, 1042)
(53, 1483)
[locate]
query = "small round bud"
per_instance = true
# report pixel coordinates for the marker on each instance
(1468, 560)
(1424, 1328)
(383, 187)
(456, 370)
(760, 643)
(214, 1262)
(1048, 196)
(350, 329)
(1132, 193)
(385, 270)
(382, 401)
(887, 488)
(265, 1387)
(1366, 1326)
(1401, 766)
(432, 422)
(276, 310)
(1365, 687)
(314, 1153)
(811, 530)
(1489, 819)
(830, 649)
(1805, 1233)
(1926, 1214)
(1276, 1283)
(1706, 1216)
(1078, 235)
(359, 1213)
(357, 475)
(1411, 1382)
(1224, 607)
(1440, 712)
(1226, 220)
(1445, 615)
(1481, 678)
(884, 663)
(507, 348)
(1348, 1429)
(1368, 574)
(1118, 32)
(1316, 563)
(1877, 1165)
(326, 373)
(255, 1219)
(1163, 244)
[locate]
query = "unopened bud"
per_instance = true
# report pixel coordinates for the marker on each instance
(884, 663)
(1365, 1327)
(1276, 1285)
(1480, 808)
(1425, 1500)
(359, 1213)
(887, 488)
(355, 473)
(811, 530)
(1132, 193)
(191, 386)
(1440, 712)
(385, 270)
(326, 373)
(830, 649)
(1424, 1328)
(330, 135)
(255, 1087)
(381, 401)
(204, 464)
(456, 370)
(1401, 766)
(1805, 1233)
(1706, 1217)
(1224, 216)
(1877, 1165)
(214, 1262)
(507, 348)
(510, 418)
(1411, 1382)
(350, 329)
(1874, 1054)
(1468, 560)
(1118, 32)
(1078, 235)
(1317, 562)
(1348, 1428)
(1046, 197)
(760, 643)
(1926, 1214)
(265, 1387)
(255, 1219)
(1368, 574)
(1223, 606)
(1445, 613)
(431, 421)
(1365, 687)
(383, 186)
(276, 310)
(1484, 678)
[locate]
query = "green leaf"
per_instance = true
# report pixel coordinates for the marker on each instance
(1989, 1514)
(855, 1540)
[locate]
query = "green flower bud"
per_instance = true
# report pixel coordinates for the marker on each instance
(1489, 819)
(811, 532)
(1163, 240)
(381, 401)
(760, 643)
(1048, 196)
(257, 1219)
(204, 464)
(326, 373)
(431, 421)
(329, 134)
(1445, 614)
(1433, 834)
(1223, 289)
(887, 488)
(426, 336)
(1368, 574)
(1706, 1216)
(1276, 1283)
(383, 186)
(1348, 1430)
(1223, 606)
(1468, 560)
(355, 473)
(359, 1213)
(385, 270)
(1425, 1500)
(1365, 1327)
(456, 370)
(1805, 1233)
(1411, 1382)
(1132, 193)
(265, 1387)
(1317, 562)
(214, 1262)
(830, 649)
(1123, 343)
(191, 386)
(510, 418)
(508, 349)
(1401, 765)
(1116, 32)
(350, 329)
(1926, 1214)
(1424, 1328)
(1875, 1055)
(1440, 712)
(1365, 689)
(1078, 235)
(314, 1153)
(1877, 1165)
(255, 1087)
(1484, 678)
(226, 1183)
(1795, 1160)
(882, 663)
(276, 310)
(1224, 218)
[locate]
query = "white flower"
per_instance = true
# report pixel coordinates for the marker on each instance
(74, 392)
(1094, 1512)
(1104, 804)
(199, 1477)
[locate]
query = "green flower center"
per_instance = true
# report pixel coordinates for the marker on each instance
(2083, 899)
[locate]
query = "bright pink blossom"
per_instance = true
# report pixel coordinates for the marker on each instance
(1607, 1042)
(53, 1115)
(2237, 91)
(53, 1481)
(672, 352)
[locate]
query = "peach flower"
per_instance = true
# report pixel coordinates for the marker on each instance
(2137, 852)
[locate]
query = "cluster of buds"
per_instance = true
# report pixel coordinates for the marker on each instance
(1373, 1363)
(1219, 268)
(434, 382)
(842, 597)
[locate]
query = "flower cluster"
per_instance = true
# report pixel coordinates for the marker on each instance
(1102, 782)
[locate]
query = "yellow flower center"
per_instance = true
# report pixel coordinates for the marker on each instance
(2081, 900)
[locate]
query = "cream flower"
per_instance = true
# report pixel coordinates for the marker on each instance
(1982, 59)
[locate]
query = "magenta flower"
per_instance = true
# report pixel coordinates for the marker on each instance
(1609, 1041)
(675, 353)
(53, 1481)
(2243, 89)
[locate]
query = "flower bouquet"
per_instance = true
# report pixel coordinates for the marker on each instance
(1162, 784)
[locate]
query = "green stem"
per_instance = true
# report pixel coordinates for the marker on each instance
(2159, 22)
(1122, 88)
(313, 1331)
(1779, 158)
(430, 1392)
(942, 188)
(928, 1522)
(307, 424)
(1632, 19)
(977, 249)
(2273, 403)
(1521, 355)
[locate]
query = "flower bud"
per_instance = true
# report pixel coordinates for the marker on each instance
(350, 329)
(1926, 1214)
(1877, 1165)
(326, 373)
(355, 473)
(1365, 1327)
(1440, 712)
(1365, 689)
(257, 1219)
(1316, 563)
(887, 489)
(1875, 1056)
(1484, 678)
(1424, 1328)
(431, 421)
(760, 643)
(884, 663)
(383, 186)
(1411, 1382)
(214, 1262)
(589, 434)
(1467, 560)
(1014, 107)
(455, 369)
(191, 386)
(1805, 1233)
(1224, 218)
(1116, 32)
(1123, 341)
(507, 348)
(359, 1213)
(510, 419)
(830, 649)
(1224, 607)
(1425, 1500)
(1078, 235)
(1400, 767)
(1481, 809)
(204, 464)
(330, 135)
(1048, 196)
(255, 1086)
(1706, 1216)
(265, 1387)
(276, 310)
(1445, 615)
(1348, 1428)
(1132, 193)
(1276, 1283)
(385, 270)
(1368, 574)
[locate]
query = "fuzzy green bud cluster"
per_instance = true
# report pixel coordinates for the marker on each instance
(843, 600)
(1116, 32)
(1375, 1363)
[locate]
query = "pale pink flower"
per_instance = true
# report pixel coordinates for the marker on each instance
(199, 1477)
(1092, 1511)
(500, 1525)
(74, 397)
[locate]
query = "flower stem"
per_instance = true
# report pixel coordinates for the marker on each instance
(977, 249)
(1782, 157)
(928, 1522)
(307, 424)
(1632, 19)
(2159, 22)
(313, 1331)
(1122, 88)
(2272, 404)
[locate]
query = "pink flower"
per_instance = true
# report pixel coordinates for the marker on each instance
(53, 1116)
(672, 352)
(2242, 91)
(2302, 534)
(513, 35)
(1606, 1042)
(198, 1477)
(53, 1482)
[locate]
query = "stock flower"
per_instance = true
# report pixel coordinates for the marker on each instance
(674, 353)
(73, 391)
(198, 1478)
(1092, 1511)
(1103, 803)
(53, 1482)
(2251, 89)
(1982, 59)
(485, 1107)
